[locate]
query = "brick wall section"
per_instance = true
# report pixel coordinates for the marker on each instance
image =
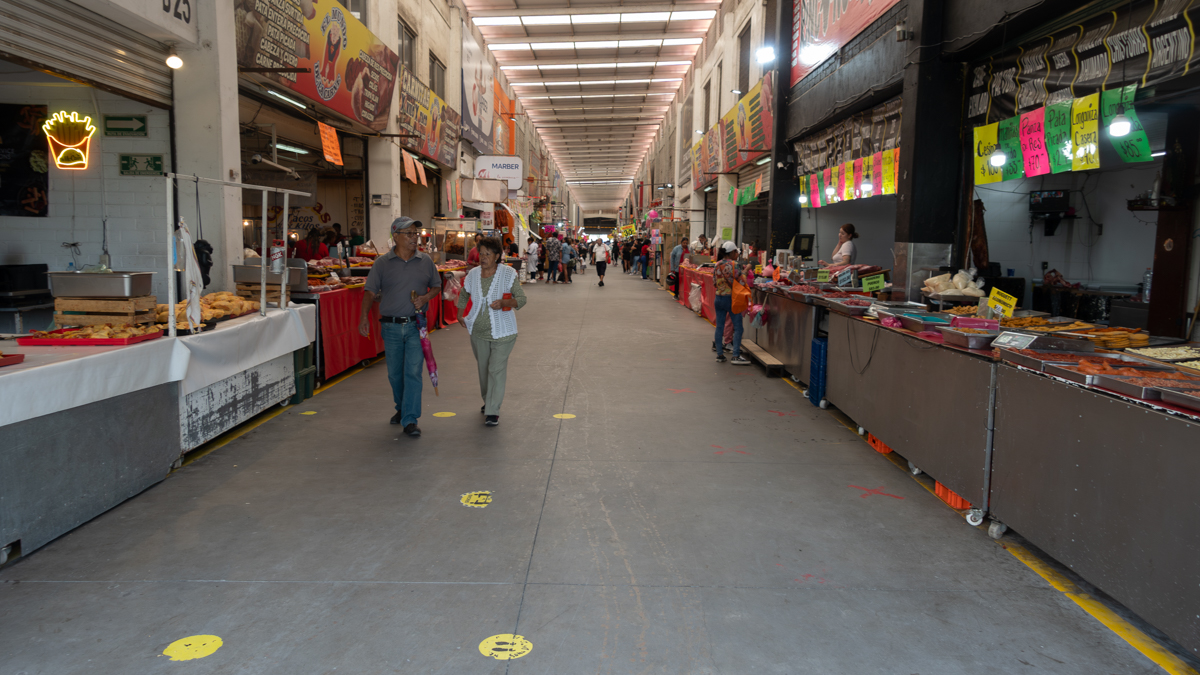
(135, 205)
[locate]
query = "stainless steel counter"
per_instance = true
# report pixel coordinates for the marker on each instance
(789, 332)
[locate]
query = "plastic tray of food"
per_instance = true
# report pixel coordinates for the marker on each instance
(1184, 398)
(11, 360)
(921, 322)
(970, 338)
(84, 342)
(1030, 357)
(1071, 371)
(841, 307)
(1169, 354)
(1146, 388)
(100, 284)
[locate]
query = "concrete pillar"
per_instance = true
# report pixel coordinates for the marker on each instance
(207, 139)
(383, 154)
(726, 212)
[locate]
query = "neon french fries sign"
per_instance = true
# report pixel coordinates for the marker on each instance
(70, 139)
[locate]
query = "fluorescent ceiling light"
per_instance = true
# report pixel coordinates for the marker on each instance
(642, 17)
(556, 20)
(693, 16)
(762, 161)
(673, 63)
(290, 148)
(519, 67)
(596, 18)
(497, 21)
(509, 47)
(552, 45)
(600, 44)
(581, 66)
(735, 91)
(682, 41)
(1160, 153)
(641, 43)
(668, 79)
(293, 101)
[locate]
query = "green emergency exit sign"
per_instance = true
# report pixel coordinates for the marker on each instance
(141, 165)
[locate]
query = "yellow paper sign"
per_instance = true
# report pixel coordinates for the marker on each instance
(985, 145)
(868, 173)
(1085, 133)
(1001, 302)
(823, 275)
(889, 173)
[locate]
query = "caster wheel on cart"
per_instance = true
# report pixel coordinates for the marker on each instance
(364, 363)
(794, 379)
(824, 404)
(912, 468)
(997, 529)
(974, 517)
(284, 403)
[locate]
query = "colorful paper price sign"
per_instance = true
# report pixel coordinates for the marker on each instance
(873, 283)
(846, 278)
(1001, 302)
(823, 276)
(1014, 340)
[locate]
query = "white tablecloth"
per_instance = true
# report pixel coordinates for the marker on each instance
(53, 379)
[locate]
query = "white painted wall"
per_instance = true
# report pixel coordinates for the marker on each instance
(136, 206)
(874, 219)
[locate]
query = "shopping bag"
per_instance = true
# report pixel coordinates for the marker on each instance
(741, 298)
(695, 299)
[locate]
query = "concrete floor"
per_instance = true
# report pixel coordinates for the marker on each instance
(692, 518)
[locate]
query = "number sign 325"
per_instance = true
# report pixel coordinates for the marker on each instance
(180, 9)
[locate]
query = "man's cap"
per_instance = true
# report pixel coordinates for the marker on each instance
(405, 223)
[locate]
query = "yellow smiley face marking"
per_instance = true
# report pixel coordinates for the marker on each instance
(564, 416)
(444, 414)
(194, 647)
(505, 647)
(479, 499)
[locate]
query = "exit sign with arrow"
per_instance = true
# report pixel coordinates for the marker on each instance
(125, 125)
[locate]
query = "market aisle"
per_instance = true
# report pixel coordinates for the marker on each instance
(692, 517)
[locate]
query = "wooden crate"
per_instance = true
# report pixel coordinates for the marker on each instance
(254, 291)
(96, 311)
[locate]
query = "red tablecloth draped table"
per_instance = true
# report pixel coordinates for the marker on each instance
(707, 292)
(341, 345)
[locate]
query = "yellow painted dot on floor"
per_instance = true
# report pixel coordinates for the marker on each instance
(565, 416)
(479, 499)
(310, 412)
(194, 647)
(505, 647)
(444, 414)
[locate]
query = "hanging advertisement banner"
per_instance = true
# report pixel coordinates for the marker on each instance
(1145, 43)
(347, 67)
(747, 129)
(1134, 146)
(858, 178)
(24, 164)
(985, 145)
(848, 181)
(699, 161)
(477, 93)
(1085, 133)
(712, 145)
(1033, 143)
(815, 196)
(434, 125)
(503, 123)
(1008, 136)
(889, 173)
(862, 135)
(1058, 136)
(821, 27)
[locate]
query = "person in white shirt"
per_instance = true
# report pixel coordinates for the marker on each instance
(531, 261)
(845, 253)
(601, 252)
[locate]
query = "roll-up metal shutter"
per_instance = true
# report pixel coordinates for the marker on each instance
(751, 173)
(74, 42)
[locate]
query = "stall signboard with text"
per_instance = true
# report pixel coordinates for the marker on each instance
(477, 93)
(821, 27)
(507, 168)
(347, 67)
(433, 123)
(874, 283)
(24, 162)
(823, 276)
(845, 278)
(748, 126)
(1001, 302)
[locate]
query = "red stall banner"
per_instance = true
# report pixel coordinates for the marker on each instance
(821, 27)
(347, 67)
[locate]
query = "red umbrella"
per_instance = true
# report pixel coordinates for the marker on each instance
(426, 347)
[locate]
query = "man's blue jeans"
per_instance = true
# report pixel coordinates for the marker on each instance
(723, 304)
(402, 346)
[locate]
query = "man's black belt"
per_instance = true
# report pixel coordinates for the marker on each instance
(397, 319)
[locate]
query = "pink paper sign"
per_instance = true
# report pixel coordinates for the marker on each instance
(1033, 142)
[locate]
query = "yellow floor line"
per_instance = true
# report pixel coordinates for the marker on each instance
(1145, 644)
(260, 419)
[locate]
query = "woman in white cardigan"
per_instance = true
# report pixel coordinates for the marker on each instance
(494, 291)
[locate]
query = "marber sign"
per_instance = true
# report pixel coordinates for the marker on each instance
(501, 167)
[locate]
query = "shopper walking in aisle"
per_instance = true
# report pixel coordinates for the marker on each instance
(582, 252)
(626, 259)
(644, 259)
(532, 267)
(553, 257)
(726, 278)
(677, 254)
(600, 250)
(494, 291)
(542, 264)
(568, 261)
(407, 279)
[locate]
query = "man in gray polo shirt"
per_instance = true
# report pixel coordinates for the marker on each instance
(394, 278)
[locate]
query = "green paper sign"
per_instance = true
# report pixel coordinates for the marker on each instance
(873, 283)
(141, 165)
(1008, 137)
(732, 190)
(823, 276)
(1134, 146)
(727, 233)
(1058, 136)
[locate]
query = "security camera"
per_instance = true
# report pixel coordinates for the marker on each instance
(256, 159)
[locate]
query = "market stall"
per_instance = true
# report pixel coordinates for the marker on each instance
(691, 275)
(789, 331)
